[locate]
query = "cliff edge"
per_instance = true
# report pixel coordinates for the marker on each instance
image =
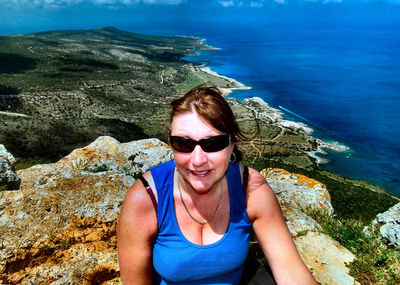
(60, 226)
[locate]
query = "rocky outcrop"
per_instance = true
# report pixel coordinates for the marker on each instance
(325, 258)
(8, 176)
(297, 193)
(389, 224)
(60, 227)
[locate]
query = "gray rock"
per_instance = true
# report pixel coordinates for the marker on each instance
(326, 259)
(389, 223)
(60, 228)
(8, 176)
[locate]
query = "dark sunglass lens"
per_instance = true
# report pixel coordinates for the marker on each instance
(211, 144)
(182, 144)
(216, 143)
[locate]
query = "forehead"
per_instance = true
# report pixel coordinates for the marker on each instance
(192, 125)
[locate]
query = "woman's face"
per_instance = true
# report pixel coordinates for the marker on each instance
(199, 170)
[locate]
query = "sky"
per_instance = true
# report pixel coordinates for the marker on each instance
(25, 16)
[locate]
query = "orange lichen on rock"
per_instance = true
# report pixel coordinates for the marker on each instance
(301, 179)
(87, 230)
(149, 144)
(308, 181)
(300, 189)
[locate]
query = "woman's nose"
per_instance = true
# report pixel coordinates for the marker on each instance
(199, 156)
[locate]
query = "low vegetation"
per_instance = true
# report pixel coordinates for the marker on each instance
(350, 198)
(61, 90)
(377, 262)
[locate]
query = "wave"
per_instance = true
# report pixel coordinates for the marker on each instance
(295, 114)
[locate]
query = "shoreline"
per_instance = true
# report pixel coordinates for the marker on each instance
(225, 90)
(276, 116)
(319, 155)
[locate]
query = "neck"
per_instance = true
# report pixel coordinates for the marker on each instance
(199, 195)
(204, 203)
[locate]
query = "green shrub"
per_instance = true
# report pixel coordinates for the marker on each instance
(376, 262)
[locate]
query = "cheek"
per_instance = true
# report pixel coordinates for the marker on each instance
(220, 158)
(181, 158)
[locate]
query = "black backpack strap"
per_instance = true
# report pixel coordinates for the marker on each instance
(245, 178)
(150, 192)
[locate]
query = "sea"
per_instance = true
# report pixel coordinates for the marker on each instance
(340, 78)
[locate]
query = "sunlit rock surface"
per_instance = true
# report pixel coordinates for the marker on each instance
(389, 224)
(326, 258)
(60, 226)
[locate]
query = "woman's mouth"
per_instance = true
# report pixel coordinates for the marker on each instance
(200, 173)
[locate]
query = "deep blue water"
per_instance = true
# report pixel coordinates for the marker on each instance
(344, 79)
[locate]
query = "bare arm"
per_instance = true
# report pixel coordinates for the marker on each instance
(272, 233)
(137, 227)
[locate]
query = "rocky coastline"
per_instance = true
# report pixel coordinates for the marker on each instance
(95, 103)
(276, 116)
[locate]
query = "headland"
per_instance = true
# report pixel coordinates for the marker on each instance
(61, 90)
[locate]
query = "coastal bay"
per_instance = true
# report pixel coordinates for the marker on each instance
(70, 87)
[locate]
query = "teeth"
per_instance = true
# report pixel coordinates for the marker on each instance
(200, 172)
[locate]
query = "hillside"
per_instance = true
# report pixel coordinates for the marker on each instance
(65, 88)
(61, 90)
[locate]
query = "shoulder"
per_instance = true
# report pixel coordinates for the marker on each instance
(254, 178)
(260, 197)
(138, 210)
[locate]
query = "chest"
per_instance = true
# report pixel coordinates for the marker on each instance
(187, 218)
(186, 251)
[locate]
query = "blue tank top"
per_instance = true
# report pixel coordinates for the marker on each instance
(176, 260)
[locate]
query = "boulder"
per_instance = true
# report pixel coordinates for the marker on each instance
(389, 224)
(297, 193)
(9, 179)
(298, 190)
(60, 228)
(325, 257)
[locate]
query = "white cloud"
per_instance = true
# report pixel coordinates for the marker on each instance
(227, 3)
(165, 2)
(56, 4)
(255, 4)
(66, 3)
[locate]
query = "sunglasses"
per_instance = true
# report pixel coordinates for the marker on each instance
(208, 144)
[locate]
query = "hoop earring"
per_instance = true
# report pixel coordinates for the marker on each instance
(232, 160)
(171, 155)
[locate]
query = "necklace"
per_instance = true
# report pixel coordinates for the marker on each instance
(203, 222)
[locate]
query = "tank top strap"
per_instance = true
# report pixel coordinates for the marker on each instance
(235, 185)
(163, 176)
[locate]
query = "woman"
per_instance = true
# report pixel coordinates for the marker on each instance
(196, 227)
